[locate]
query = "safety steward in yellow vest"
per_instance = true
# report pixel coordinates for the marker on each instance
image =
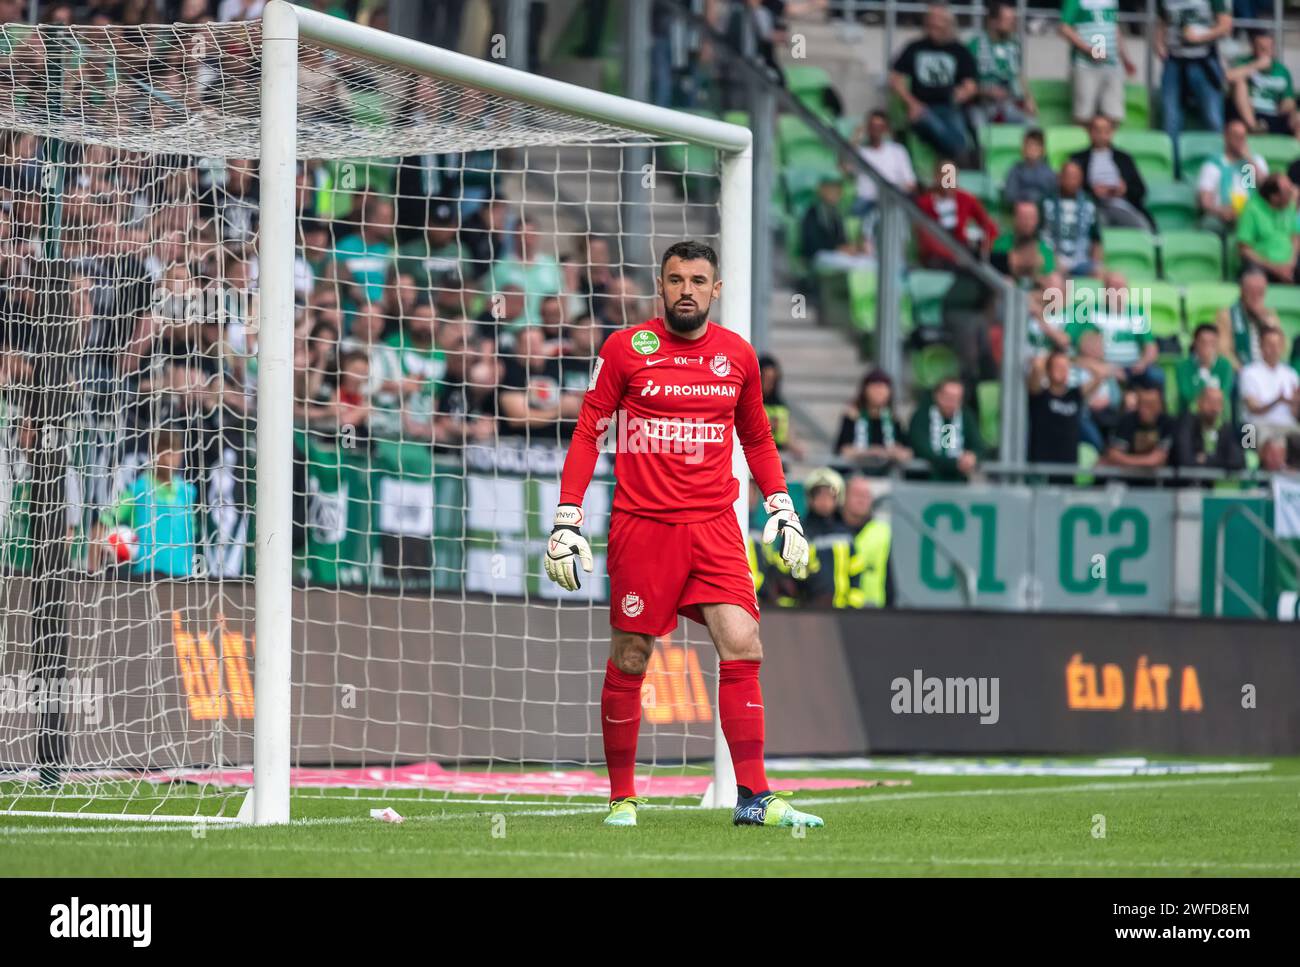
(870, 580)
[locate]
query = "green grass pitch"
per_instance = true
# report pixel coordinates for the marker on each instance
(1202, 825)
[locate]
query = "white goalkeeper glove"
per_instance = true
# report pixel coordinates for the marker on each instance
(784, 529)
(566, 547)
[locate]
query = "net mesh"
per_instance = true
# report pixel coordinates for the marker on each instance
(461, 258)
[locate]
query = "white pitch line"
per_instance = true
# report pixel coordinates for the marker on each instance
(1030, 790)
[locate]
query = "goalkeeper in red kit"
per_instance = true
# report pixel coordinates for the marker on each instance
(670, 391)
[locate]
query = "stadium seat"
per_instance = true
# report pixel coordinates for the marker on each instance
(737, 117)
(1063, 141)
(1055, 103)
(1137, 107)
(933, 364)
(1001, 144)
(1276, 149)
(1203, 300)
(1088, 457)
(1191, 256)
(1129, 250)
(1194, 147)
(979, 184)
(801, 79)
(1167, 316)
(792, 132)
(800, 183)
(988, 398)
(1285, 301)
(1152, 152)
(863, 287)
(924, 159)
(926, 289)
(809, 154)
(1172, 204)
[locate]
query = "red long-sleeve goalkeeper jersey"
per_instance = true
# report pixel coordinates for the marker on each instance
(668, 406)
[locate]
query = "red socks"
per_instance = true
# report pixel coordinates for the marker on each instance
(620, 721)
(740, 705)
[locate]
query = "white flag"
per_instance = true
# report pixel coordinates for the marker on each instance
(1286, 506)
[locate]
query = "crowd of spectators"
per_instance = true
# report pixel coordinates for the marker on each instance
(430, 308)
(1096, 373)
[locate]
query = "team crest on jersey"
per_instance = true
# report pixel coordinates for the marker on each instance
(645, 342)
(632, 605)
(720, 365)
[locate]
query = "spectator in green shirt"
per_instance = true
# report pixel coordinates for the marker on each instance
(946, 434)
(1003, 97)
(1262, 94)
(1097, 57)
(367, 256)
(1266, 231)
(1024, 232)
(1206, 366)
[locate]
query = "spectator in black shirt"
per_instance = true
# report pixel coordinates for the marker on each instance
(530, 400)
(1144, 436)
(871, 435)
(1207, 437)
(1055, 408)
(936, 77)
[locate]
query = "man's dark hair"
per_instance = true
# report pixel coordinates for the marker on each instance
(878, 113)
(996, 7)
(1035, 135)
(1204, 327)
(689, 251)
(1270, 187)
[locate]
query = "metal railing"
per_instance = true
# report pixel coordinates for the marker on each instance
(1224, 581)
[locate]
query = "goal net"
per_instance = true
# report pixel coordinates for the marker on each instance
(293, 341)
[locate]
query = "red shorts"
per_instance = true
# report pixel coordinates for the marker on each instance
(659, 570)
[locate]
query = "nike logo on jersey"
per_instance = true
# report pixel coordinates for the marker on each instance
(654, 362)
(752, 705)
(619, 721)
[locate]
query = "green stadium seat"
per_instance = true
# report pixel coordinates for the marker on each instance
(1088, 457)
(810, 155)
(1152, 152)
(792, 132)
(1194, 147)
(1173, 205)
(924, 158)
(933, 364)
(1191, 256)
(988, 398)
(1063, 141)
(979, 184)
(737, 117)
(863, 288)
(1001, 144)
(1173, 399)
(1276, 149)
(1285, 301)
(1131, 251)
(806, 78)
(926, 288)
(1203, 300)
(1137, 107)
(1167, 316)
(800, 185)
(1055, 102)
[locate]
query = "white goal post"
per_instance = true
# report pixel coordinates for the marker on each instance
(157, 127)
(283, 26)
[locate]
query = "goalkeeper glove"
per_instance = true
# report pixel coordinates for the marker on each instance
(566, 546)
(783, 528)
